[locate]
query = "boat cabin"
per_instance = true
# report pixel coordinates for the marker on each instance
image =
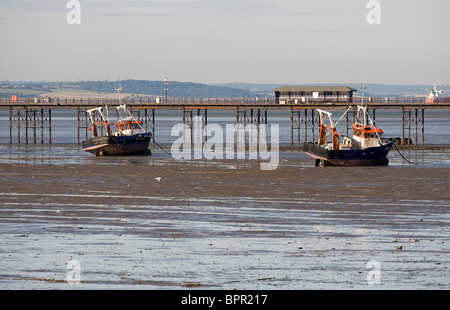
(128, 127)
(367, 136)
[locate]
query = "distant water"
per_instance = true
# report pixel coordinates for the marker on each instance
(64, 125)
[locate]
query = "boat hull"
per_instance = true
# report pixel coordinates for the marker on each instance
(372, 156)
(118, 145)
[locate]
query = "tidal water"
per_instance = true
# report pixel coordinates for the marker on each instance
(64, 125)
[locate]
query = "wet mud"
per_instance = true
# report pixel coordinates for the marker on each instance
(163, 224)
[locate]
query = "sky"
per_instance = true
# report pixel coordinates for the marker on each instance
(226, 41)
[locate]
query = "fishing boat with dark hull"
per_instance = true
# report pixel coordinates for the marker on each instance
(364, 148)
(129, 139)
(118, 145)
(372, 156)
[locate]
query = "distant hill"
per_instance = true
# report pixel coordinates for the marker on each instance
(129, 87)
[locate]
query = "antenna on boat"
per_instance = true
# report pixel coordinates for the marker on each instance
(362, 87)
(118, 91)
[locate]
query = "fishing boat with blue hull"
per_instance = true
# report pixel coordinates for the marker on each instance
(129, 139)
(364, 148)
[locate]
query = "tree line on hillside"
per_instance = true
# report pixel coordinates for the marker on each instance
(158, 88)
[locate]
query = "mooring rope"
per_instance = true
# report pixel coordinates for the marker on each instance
(160, 147)
(402, 155)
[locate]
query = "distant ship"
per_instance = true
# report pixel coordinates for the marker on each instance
(433, 95)
(129, 139)
(364, 148)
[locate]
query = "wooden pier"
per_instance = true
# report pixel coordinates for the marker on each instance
(34, 114)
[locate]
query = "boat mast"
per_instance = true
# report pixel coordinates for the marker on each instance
(363, 87)
(118, 92)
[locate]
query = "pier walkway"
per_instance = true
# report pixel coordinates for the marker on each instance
(225, 103)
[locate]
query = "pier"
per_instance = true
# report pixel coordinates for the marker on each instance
(33, 116)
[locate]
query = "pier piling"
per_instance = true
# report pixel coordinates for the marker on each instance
(407, 120)
(24, 114)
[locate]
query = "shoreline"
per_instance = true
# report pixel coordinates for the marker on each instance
(282, 147)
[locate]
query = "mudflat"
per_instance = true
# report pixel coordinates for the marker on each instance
(138, 223)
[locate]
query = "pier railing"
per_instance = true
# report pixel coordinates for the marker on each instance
(375, 102)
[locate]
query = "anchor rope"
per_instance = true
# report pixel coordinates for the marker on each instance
(160, 147)
(402, 155)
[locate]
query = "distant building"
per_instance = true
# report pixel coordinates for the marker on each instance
(305, 94)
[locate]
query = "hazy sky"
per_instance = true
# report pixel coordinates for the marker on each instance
(219, 41)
